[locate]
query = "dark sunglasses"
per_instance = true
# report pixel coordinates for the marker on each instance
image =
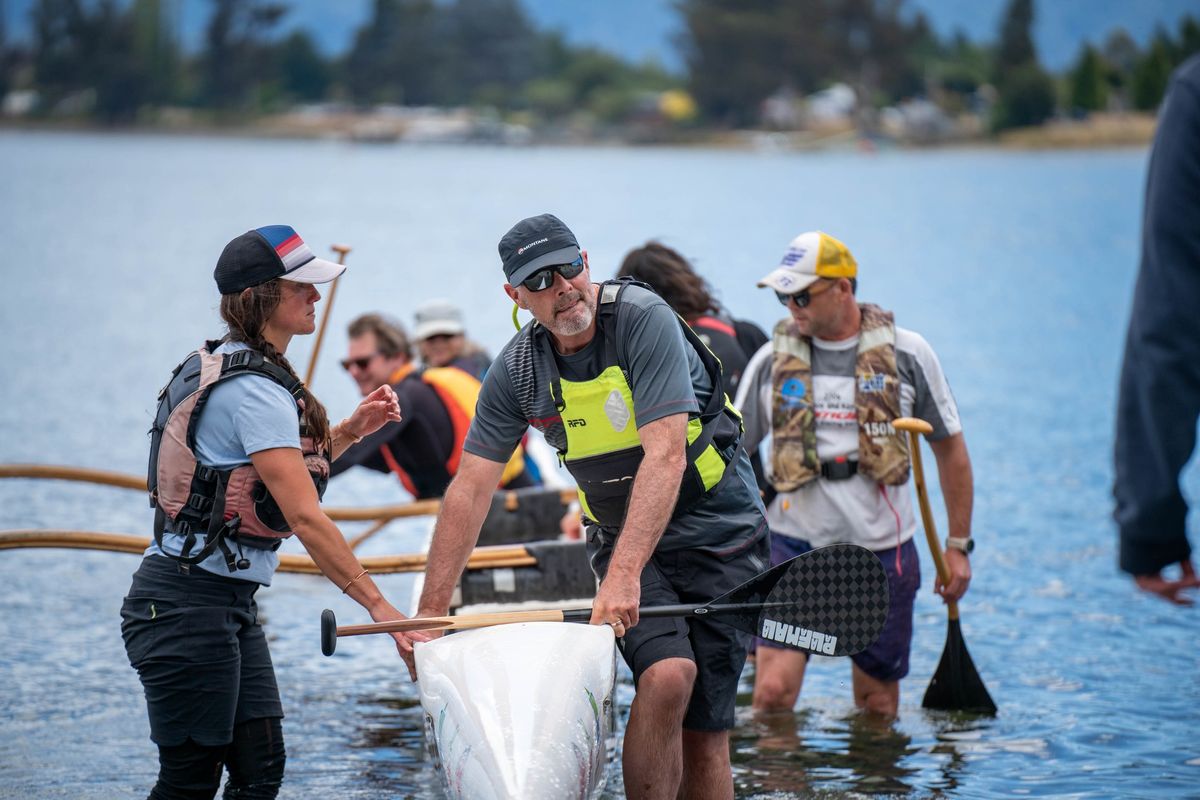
(802, 299)
(361, 363)
(544, 278)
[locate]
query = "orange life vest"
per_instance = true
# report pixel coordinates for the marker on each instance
(458, 391)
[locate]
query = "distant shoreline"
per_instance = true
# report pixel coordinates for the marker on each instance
(1099, 131)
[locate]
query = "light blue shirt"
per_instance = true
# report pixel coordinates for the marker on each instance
(243, 415)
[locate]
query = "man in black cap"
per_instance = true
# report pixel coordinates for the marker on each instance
(631, 399)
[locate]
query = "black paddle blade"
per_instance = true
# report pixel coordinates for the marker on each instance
(328, 632)
(956, 685)
(832, 601)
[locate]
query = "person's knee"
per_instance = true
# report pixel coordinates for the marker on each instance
(703, 746)
(668, 683)
(256, 761)
(776, 681)
(883, 703)
(189, 771)
(875, 696)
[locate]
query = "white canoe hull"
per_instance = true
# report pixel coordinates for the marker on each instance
(519, 711)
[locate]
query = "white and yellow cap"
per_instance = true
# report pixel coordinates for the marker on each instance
(809, 257)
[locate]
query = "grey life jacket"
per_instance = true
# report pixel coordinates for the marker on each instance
(227, 506)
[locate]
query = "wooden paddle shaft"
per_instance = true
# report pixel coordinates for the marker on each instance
(914, 426)
(461, 622)
(341, 250)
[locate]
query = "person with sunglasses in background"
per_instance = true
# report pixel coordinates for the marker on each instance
(423, 449)
(442, 339)
(631, 399)
(826, 389)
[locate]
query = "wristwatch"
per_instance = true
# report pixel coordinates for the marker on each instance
(963, 543)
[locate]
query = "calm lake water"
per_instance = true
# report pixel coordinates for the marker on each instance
(1017, 267)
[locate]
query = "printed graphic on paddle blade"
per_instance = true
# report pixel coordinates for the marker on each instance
(832, 601)
(956, 685)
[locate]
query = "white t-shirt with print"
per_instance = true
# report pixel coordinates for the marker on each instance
(856, 510)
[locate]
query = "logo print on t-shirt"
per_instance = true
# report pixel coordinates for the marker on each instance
(793, 392)
(616, 411)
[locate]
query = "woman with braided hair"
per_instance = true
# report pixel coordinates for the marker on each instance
(240, 453)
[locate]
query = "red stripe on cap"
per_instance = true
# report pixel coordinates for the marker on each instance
(288, 245)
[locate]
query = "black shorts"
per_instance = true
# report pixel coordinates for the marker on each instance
(201, 655)
(718, 650)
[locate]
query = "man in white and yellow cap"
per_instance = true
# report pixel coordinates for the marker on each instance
(827, 388)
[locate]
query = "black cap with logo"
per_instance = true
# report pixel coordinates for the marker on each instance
(534, 243)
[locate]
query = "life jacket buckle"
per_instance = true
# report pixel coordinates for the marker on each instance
(199, 502)
(839, 469)
(238, 358)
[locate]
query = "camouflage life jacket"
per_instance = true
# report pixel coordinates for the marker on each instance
(227, 506)
(882, 452)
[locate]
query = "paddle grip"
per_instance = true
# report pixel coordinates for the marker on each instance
(328, 632)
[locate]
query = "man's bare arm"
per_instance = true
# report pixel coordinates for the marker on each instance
(651, 503)
(464, 507)
(958, 491)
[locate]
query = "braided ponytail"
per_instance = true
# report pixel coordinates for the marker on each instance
(246, 313)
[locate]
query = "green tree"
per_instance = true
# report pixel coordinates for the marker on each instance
(86, 59)
(5, 57)
(1088, 88)
(1016, 40)
(155, 51)
(397, 55)
(740, 53)
(58, 56)
(1189, 37)
(1026, 92)
(236, 57)
(490, 50)
(1151, 74)
(1026, 99)
(1120, 55)
(303, 73)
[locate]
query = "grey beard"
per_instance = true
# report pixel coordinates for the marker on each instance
(575, 326)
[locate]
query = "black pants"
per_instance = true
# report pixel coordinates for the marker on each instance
(210, 687)
(254, 759)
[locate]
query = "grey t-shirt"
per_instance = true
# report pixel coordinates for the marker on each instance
(666, 376)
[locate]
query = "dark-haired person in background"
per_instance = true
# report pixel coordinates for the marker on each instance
(1160, 378)
(670, 275)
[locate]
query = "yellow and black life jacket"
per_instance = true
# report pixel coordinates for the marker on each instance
(595, 430)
